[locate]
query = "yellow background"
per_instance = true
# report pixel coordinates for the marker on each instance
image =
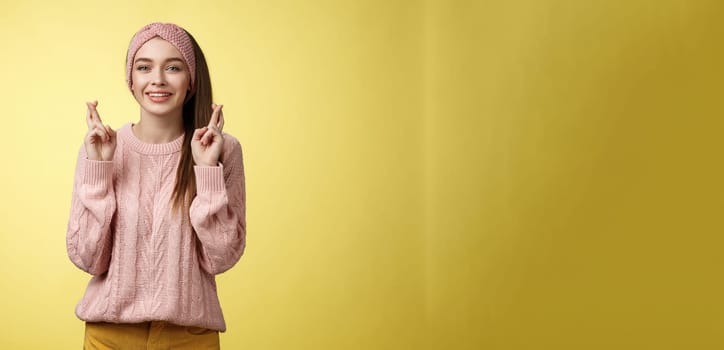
(420, 174)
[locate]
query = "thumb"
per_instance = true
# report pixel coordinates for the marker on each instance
(199, 133)
(110, 130)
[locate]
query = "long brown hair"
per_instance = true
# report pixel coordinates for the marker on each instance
(196, 114)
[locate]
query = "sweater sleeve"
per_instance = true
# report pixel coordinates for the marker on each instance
(88, 237)
(218, 212)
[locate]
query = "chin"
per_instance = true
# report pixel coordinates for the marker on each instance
(161, 109)
(156, 110)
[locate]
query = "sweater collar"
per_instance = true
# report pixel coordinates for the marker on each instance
(149, 148)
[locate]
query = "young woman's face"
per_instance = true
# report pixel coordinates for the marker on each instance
(160, 78)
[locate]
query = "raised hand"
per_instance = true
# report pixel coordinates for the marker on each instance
(207, 142)
(100, 141)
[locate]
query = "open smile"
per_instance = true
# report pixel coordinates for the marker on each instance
(159, 96)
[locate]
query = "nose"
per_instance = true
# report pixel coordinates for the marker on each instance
(159, 78)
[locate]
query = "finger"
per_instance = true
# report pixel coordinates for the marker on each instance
(198, 133)
(96, 116)
(103, 133)
(95, 135)
(111, 133)
(88, 116)
(214, 115)
(221, 118)
(209, 136)
(92, 118)
(92, 121)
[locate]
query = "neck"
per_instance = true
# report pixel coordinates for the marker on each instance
(158, 129)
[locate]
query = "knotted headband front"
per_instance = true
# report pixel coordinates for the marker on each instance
(166, 31)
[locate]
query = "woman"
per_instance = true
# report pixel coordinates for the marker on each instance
(156, 215)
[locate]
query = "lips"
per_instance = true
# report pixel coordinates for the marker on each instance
(159, 96)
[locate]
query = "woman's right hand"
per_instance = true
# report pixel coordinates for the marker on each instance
(100, 141)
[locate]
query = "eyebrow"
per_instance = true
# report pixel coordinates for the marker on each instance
(144, 59)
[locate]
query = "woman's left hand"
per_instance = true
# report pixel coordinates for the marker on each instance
(207, 142)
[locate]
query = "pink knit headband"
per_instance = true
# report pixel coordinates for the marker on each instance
(169, 32)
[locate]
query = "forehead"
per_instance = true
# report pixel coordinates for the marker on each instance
(158, 49)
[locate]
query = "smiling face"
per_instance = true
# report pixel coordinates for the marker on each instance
(160, 78)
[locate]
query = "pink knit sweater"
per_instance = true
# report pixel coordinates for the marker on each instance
(147, 263)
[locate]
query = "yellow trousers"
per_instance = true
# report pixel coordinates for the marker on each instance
(147, 336)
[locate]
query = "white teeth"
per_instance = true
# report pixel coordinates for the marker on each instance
(159, 94)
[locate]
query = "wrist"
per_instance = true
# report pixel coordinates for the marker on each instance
(208, 164)
(99, 159)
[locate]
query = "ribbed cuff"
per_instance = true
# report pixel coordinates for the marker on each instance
(210, 178)
(98, 171)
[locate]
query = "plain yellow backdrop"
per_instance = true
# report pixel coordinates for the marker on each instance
(531, 174)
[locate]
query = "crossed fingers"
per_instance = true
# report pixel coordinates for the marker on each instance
(216, 124)
(93, 119)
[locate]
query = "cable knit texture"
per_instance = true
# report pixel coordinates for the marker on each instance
(147, 262)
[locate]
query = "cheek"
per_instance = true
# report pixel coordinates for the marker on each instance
(134, 86)
(181, 84)
(137, 89)
(136, 81)
(185, 81)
